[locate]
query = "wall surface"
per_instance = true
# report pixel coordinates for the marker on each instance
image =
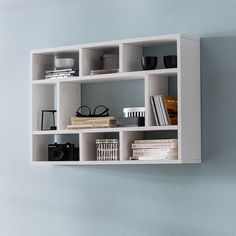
(196, 200)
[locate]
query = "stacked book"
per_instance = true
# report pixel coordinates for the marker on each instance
(165, 109)
(157, 149)
(64, 73)
(92, 122)
(107, 71)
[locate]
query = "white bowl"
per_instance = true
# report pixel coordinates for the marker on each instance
(64, 63)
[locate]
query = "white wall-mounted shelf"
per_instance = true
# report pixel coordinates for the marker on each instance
(66, 95)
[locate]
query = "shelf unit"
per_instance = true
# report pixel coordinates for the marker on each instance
(131, 86)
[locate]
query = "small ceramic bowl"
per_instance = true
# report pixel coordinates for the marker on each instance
(149, 62)
(64, 63)
(170, 61)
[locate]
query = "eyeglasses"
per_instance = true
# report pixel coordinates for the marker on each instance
(99, 111)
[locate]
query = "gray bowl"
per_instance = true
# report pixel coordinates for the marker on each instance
(64, 63)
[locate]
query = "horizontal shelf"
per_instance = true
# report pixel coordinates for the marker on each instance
(87, 163)
(110, 77)
(136, 41)
(104, 130)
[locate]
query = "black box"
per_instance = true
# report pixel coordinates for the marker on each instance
(130, 121)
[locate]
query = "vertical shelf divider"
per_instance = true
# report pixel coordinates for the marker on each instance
(58, 114)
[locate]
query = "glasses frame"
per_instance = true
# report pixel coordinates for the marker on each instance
(105, 113)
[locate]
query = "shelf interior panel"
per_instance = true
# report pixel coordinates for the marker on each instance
(43, 62)
(41, 142)
(130, 136)
(92, 58)
(114, 95)
(43, 98)
(88, 145)
(132, 53)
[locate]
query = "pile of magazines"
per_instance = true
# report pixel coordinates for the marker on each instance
(64, 73)
(156, 149)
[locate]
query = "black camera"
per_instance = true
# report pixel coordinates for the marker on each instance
(63, 152)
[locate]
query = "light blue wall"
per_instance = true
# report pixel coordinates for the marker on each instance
(196, 200)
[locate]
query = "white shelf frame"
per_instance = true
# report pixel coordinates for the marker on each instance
(188, 90)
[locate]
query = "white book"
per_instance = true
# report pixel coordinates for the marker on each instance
(156, 141)
(146, 158)
(162, 110)
(156, 155)
(154, 145)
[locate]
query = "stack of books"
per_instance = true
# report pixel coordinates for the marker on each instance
(64, 73)
(156, 149)
(92, 122)
(165, 109)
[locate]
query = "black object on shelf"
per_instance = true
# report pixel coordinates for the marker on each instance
(63, 152)
(99, 111)
(170, 61)
(53, 126)
(149, 62)
(130, 121)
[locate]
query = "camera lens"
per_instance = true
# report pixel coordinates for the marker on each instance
(57, 154)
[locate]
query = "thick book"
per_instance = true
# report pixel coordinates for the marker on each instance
(90, 126)
(93, 120)
(154, 152)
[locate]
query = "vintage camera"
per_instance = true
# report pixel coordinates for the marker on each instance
(63, 152)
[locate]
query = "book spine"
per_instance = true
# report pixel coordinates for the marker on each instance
(146, 158)
(163, 110)
(156, 141)
(158, 108)
(154, 110)
(160, 146)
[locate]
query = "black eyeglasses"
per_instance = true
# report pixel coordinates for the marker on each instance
(99, 111)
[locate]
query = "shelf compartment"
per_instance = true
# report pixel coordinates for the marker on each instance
(44, 97)
(128, 138)
(88, 144)
(41, 142)
(91, 57)
(158, 85)
(121, 94)
(132, 53)
(42, 62)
